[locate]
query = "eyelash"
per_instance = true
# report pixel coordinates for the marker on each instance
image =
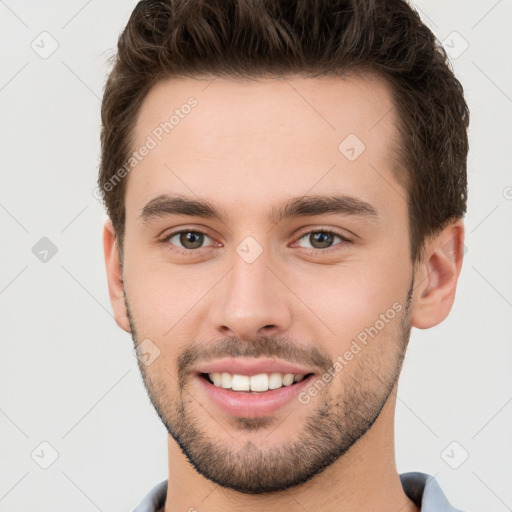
(187, 252)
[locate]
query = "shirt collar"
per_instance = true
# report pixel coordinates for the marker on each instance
(421, 488)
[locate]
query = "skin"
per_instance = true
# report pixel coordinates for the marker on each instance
(247, 147)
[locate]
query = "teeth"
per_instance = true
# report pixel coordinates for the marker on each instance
(216, 378)
(275, 380)
(258, 383)
(240, 383)
(288, 379)
(226, 379)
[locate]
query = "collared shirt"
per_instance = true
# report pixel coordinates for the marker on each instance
(420, 488)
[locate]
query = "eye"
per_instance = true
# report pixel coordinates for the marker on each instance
(190, 240)
(187, 239)
(322, 239)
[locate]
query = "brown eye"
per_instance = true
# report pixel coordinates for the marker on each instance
(188, 239)
(191, 239)
(320, 239)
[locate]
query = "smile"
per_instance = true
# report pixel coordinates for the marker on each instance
(259, 383)
(249, 403)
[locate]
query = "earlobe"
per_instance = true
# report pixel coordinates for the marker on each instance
(115, 277)
(436, 277)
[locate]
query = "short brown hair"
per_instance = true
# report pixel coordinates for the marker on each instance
(263, 38)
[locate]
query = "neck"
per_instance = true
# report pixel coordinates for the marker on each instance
(365, 478)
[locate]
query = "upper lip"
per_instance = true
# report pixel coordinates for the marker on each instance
(252, 366)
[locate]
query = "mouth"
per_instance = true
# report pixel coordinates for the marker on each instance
(253, 388)
(260, 383)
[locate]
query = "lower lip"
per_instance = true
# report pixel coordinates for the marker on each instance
(252, 405)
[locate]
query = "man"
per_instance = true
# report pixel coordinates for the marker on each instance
(285, 183)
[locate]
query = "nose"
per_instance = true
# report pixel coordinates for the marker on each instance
(252, 301)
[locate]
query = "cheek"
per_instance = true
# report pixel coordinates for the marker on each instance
(162, 295)
(350, 298)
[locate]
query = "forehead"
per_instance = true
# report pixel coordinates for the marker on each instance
(242, 142)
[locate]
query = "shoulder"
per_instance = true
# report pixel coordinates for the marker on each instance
(425, 492)
(154, 501)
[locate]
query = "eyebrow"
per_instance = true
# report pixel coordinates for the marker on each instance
(165, 205)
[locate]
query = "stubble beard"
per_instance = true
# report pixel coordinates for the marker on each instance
(333, 426)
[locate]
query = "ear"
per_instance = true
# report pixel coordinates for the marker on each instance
(115, 276)
(436, 277)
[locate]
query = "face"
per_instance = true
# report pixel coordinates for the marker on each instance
(267, 243)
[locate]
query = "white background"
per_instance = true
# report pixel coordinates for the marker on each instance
(67, 372)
